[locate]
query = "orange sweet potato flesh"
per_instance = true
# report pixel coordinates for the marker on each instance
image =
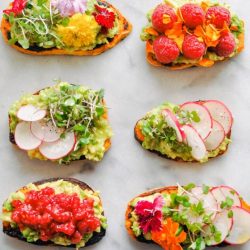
(125, 28)
(167, 190)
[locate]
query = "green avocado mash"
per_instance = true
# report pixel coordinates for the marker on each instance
(59, 186)
(161, 138)
(71, 108)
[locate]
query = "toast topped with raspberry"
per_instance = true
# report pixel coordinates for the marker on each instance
(52, 27)
(183, 34)
(55, 212)
(190, 132)
(189, 217)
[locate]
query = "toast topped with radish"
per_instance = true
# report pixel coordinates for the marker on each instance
(183, 33)
(62, 123)
(189, 217)
(191, 132)
(62, 212)
(56, 27)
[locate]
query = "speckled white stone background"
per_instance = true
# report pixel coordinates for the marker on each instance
(132, 88)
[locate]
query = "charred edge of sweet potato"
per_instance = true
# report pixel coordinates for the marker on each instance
(124, 31)
(15, 232)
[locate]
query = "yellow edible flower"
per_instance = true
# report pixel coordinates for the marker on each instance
(80, 33)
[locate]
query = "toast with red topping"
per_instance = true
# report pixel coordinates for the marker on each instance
(56, 211)
(182, 217)
(183, 34)
(62, 123)
(50, 27)
(190, 132)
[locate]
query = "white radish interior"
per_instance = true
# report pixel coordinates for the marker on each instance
(240, 231)
(223, 224)
(30, 113)
(173, 122)
(45, 131)
(222, 192)
(24, 138)
(58, 149)
(204, 126)
(220, 113)
(216, 137)
(195, 142)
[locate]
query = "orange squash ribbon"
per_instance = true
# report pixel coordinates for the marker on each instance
(168, 237)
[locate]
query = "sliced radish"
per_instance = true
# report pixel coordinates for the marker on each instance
(195, 142)
(222, 192)
(223, 224)
(24, 138)
(173, 122)
(45, 131)
(58, 149)
(30, 113)
(210, 205)
(216, 137)
(240, 231)
(220, 113)
(205, 124)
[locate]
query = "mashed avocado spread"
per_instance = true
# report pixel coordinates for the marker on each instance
(161, 138)
(71, 108)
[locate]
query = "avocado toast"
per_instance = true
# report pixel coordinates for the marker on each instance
(189, 217)
(62, 123)
(182, 34)
(57, 211)
(190, 132)
(52, 27)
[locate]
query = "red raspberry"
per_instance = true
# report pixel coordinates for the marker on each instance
(158, 17)
(192, 14)
(218, 15)
(165, 49)
(226, 45)
(192, 48)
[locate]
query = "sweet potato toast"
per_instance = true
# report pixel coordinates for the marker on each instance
(15, 232)
(170, 190)
(125, 28)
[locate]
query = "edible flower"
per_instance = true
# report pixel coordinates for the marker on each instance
(17, 7)
(150, 214)
(170, 236)
(104, 17)
(69, 7)
(80, 32)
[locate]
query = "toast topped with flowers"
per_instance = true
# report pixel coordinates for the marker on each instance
(189, 217)
(55, 27)
(190, 132)
(182, 33)
(61, 123)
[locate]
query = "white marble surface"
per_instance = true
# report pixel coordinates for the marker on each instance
(132, 88)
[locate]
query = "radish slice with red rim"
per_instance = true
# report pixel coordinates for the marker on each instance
(204, 126)
(194, 140)
(223, 224)
(222, 192)
(220, 113)
(173, 122)
(24, 138)
(30, 113)
(45, 131)
(240, 231)
(216, 137)
(58, 149)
